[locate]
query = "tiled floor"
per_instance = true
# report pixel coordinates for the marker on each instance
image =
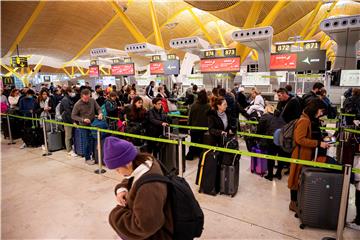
(60, 197)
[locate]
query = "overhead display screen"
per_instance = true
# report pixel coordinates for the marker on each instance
(156, 68)
(94, 71)
(283, 61)
(220, 65)
(311, 60)
(123, 69)
(350, 78)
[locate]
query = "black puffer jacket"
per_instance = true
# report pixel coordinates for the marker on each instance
(268, 123)
(216, 126)
(197, 116)
(156, 118)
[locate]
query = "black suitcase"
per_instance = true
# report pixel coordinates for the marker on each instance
(169, 153)
(15, 126)
(209, 173)
(319, 198)
(229, 177)
(33, 136)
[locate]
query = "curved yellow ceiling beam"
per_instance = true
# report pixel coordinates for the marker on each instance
(155, 23)
(227, 8)
(26, 27)
(312, 18)
(202, 27)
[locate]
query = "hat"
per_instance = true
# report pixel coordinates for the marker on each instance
(118, 153)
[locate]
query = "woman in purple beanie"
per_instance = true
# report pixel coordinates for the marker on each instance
(144, 212)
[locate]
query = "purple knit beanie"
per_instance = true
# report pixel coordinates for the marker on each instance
(118, 153)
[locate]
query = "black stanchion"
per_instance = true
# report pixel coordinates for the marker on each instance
(9, 129)
(47, 153)
(100, 170)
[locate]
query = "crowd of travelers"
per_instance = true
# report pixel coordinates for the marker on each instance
(219, 110)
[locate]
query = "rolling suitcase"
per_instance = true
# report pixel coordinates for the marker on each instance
(78, 142)
(229, 177)
(258, 165)
(169, 153)
(33, 136)
(54, 138)
(209, 173)
(319, 198)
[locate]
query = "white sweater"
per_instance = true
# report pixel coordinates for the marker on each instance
(258, 104)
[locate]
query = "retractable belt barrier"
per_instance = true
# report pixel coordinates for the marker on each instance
(226, 150)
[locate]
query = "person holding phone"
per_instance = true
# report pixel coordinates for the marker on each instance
(305, 145)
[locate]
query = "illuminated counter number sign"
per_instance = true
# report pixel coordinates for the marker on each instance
(283, 48)
(171, 57)
(312, 46)
(230, 52)
(210, 53)
(127, 60)
(156, 58)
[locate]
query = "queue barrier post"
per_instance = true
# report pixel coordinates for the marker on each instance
(100, 170)
(9, 129)
(47, 153)
(180, 152)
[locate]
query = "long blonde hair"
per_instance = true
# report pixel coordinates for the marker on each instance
(269, 108)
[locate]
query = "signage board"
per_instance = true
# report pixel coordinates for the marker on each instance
(283, 61)
(311, 60)
(283, 48)
(94, 71)
(209, 54)
(311, 46)
(172, 67)
(8, 80)
(18, 62)
(127, 69)
(156, 58)
(231, 52)
(350, 78)
(256, 79)
(171, 57)
(156, 68)
(220, 65)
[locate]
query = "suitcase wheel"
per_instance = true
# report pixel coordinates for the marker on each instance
(302, 226)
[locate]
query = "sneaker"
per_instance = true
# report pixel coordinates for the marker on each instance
(353, 225)
(278, 176)
(90, 162)
(43, 147)
(72, 153)
(269, 177)
(23, 146)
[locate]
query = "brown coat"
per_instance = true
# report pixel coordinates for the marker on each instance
(147, 214)
(306, 145)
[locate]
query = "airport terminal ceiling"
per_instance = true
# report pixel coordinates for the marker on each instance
(62, 31)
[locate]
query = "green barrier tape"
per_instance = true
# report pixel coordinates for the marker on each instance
(356, 170)
(329, 128)
(189, 127)
(352, 130)
(113, 118)
(255, 135)
(22, 117)
(71, 125)
(177, 115)
(249, 122)
(329, 120)
(180, 102)
(347, 114)
(271, 157)
(139, 136)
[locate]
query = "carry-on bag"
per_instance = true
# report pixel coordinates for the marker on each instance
(258, 165)
(54, 138)
(33, 136)
(209, 173)
(229, 177)
(79, 143)
(319, 197)
(169, 153)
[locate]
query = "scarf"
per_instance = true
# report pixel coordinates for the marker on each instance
(224, 119)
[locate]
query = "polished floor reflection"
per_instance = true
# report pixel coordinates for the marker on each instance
(60, 197)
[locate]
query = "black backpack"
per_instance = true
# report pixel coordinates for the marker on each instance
(188, 218)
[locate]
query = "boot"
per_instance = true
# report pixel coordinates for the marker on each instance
(293, 206)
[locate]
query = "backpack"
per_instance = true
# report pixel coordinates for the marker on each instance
(188, 217)
(58, 114)
(284, 137)
(103, 110)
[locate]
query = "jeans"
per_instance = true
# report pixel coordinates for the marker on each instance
(68, 138)
(88, 143)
